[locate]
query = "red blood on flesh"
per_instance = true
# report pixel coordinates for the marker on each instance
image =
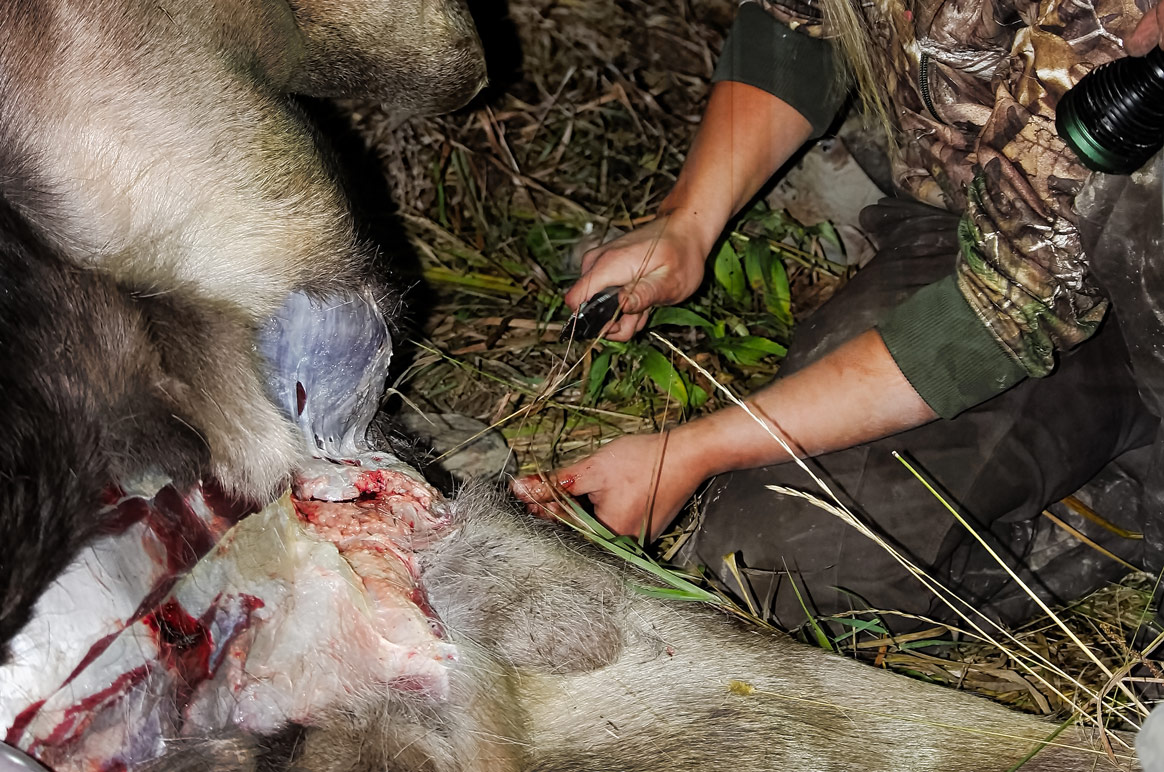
(94, 652)
(420, 599)
(111, 495)
(183, 642)
(127, 512)
(183, 533)
(79, 716)
(22, 720)
(195, 667)
(222, 504)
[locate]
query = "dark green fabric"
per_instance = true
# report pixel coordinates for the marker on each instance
(801, 70)
(946, 352)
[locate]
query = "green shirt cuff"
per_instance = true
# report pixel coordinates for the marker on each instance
(800, 70)
(946, 352)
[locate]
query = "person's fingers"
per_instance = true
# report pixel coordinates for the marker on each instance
(639, 296)
(1146, 35)
(541, 495)
(636, 301)
(625, 326)
(549, 510)
(534, 488)
(548, 486)
(608, 271)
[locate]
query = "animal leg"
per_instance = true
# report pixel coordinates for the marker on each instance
(422, 57)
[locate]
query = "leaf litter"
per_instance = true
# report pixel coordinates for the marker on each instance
(579, 137)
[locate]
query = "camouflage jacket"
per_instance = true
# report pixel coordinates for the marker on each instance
(972, 86)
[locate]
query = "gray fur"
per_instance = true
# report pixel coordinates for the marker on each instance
(565, 669)
(161, 195)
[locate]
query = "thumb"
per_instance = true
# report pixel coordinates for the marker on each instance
(1146, 35)
(640, 295)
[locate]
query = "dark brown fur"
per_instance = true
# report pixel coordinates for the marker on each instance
(160, 195)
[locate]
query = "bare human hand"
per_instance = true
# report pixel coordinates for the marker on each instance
(637, 484)
(658, 264)
(852, 395)
(1146, 36)
(746, 135)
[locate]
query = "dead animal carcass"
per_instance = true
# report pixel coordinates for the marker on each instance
(366, 623)
(187, 318)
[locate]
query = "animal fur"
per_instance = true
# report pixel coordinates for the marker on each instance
(161, 194)
(566, 668)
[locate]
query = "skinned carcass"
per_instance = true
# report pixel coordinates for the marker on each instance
(366, 623)
(187, 318)
(164, 207)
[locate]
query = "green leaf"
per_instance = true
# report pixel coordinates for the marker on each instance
(923, 644)
(590, 522)
(777, 223)
(667, 593)
(763, 344)
(680, 316)
(858, 625)
(543, 240)
(828, 232)
(778, 298)
(631, 544)
(660, 370)
(756, 256)
(698, 396)
(598, 370)
(749, 349)
(599, 534)
(822, 640)
(729, 273)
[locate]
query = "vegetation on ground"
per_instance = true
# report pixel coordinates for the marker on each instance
(577, 139)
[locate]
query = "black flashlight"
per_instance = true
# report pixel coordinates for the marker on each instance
(1114, 117)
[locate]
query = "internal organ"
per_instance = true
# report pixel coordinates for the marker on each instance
(178, 626)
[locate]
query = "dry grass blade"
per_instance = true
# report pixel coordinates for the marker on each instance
(1015, 578)
(586, 131)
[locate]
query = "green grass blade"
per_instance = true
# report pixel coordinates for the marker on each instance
(603, 537)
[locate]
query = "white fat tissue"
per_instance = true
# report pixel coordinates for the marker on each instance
(191, 620)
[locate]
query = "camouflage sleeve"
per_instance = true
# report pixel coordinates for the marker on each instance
(801, 70)
(1027, 279)
(1022, 277)
(1020, 292)
(804, 16)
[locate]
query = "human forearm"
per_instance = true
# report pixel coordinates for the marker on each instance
(746, 135)
(854, 395)
(638, 483)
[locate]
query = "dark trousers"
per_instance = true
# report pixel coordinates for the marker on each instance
(1001, 463)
